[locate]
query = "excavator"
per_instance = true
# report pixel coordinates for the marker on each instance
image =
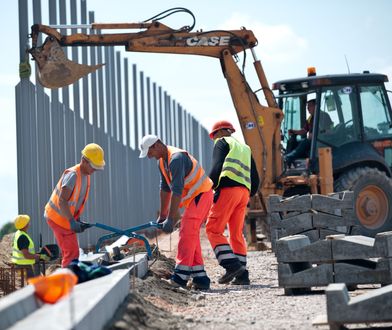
(354, 154)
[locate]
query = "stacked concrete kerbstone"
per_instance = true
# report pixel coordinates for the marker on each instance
(315, 216)
(337, 259)
(371, 307)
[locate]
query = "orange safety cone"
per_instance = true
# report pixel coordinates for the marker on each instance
(55, 286)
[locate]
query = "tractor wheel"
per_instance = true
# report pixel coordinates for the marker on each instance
(372, 197)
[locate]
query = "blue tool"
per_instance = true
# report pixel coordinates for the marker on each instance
(130, 232)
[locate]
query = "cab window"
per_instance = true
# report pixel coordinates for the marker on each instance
(375, 114)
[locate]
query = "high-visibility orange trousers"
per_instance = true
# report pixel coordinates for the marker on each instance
(67, 241)
(189, 249)
(229, 210)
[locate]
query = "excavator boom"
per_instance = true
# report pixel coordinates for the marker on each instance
(55, 70)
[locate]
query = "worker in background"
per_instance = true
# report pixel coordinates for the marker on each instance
(23, 251)
(66, 204)
(235, 178)
(303, 148)
(183, 184)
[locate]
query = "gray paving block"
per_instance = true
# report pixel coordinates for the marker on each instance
(17, 306)
(336, 201)
(140, 264)
(327, 220)
(277, 203)
(352, 247)
(94, 257)
(323, 233)
(360, 247)
(373, 306)
(298, 248)
(383, 244)
(298, 222)
(363, 271)
(90, 305)
(303, 275)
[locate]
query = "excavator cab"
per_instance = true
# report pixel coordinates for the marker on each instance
(353, 118)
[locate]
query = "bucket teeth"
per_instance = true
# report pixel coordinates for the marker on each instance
(54, 69)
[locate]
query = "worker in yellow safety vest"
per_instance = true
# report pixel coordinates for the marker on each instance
(23, 251)
(66, 204)
(235, 179)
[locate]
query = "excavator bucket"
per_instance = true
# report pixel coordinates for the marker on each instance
(54, 69)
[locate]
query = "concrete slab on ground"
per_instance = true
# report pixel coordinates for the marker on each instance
(90, 305)
(373, 306)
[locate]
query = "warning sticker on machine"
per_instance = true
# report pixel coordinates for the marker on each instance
(250, 125)
(347, 90)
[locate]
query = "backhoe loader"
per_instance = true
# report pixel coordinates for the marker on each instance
(263, 126)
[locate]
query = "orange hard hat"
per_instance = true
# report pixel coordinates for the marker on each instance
(55, 286)
(222, 124)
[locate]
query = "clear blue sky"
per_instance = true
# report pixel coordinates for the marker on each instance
(292, 36)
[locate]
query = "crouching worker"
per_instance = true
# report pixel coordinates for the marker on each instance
(23, 251)
(183, 184)
(67, 201)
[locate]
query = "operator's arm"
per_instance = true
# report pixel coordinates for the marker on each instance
(301, 131)
(254, 177)
(221, 149)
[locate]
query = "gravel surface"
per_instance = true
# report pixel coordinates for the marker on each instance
(153, 304)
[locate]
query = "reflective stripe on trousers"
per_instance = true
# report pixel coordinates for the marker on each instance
(228, 210)
(189, 259)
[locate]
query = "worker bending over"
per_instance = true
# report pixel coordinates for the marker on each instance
(23, 251)
(66, 204)
(183, 184)
(235, 178)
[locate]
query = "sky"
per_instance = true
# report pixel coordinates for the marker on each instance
(335, 36)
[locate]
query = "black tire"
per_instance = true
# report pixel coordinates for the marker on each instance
(372, 197)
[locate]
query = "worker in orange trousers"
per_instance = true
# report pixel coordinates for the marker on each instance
(66, 204)
(183, 184)
(235, 179)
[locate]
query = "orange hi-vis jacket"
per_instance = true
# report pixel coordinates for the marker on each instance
(52, 208)
(195, 183)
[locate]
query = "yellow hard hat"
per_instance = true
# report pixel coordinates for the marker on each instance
(94, 154)
(21, 221)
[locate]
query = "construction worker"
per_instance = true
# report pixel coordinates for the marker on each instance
(183, 184)
(23, 251)
(235, 178)
(66, 204)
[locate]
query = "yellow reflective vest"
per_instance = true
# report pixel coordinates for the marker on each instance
(237, 162)
(17, 255)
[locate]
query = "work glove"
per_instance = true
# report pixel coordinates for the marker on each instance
(85, 225)
(44, 257)
(168, 225)
(76, 226)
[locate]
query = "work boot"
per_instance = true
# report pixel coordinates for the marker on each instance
(242, 279)
(201, 283)
(175, 281)
(230, 274)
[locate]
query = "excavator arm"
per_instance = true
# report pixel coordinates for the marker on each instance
(260, 125)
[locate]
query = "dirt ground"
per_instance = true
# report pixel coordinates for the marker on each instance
(153, 304)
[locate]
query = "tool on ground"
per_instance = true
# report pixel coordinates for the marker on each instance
(130, 232)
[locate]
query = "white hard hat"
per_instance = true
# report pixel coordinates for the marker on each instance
(146, 143)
